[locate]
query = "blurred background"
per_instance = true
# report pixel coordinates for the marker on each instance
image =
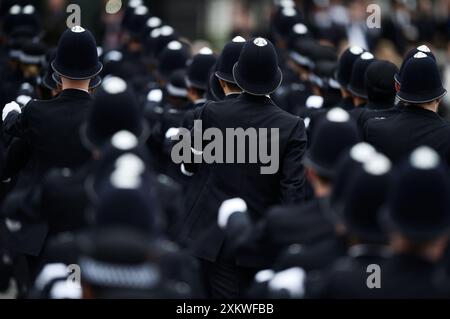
(404, 23)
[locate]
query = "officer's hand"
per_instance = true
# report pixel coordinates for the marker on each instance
(10, 107)
(228, 208)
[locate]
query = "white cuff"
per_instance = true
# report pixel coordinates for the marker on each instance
(10, 107)
(171, 132)
(264, 275)
(228, 208)
(195, 152)
(185, 172)
(292, 280)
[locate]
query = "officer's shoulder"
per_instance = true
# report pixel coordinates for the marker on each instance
(289, 120)
(36, 103)
(218, 105)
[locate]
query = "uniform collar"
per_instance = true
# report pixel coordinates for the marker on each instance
(258, 98)
(420, 110)
(378, 106)
(75, 93)
(230, 96)
(347, 103)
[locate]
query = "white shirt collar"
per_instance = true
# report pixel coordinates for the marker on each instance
(200, 101)
(233, 93)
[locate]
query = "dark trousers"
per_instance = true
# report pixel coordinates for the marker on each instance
(224, 280)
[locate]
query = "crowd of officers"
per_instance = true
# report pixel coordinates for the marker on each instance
(359, 207)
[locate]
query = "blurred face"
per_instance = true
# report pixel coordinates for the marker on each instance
(57, 5)
(30, 71)
(357, 11)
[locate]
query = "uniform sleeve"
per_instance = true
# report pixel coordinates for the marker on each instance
(292, 170)
(249, 240)
(16, 123)
(16, 157)
(200, 114)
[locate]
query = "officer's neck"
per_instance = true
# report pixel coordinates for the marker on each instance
(75, 84)
(345, 94)
(229, 91)
(432, 106)
(358, 102)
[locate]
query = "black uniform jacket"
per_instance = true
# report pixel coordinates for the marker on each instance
(51, 128)
(398, 135)
(262, 243)
(347, 277)
(214, 183)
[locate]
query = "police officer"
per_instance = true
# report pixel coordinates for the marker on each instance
(308, 223)
(344, 74)
(418, 240)
(174, 57)
(51, 134)
(354, 235)
(356, 86)
(380, 87)
(411, 53)
(221, 83)
(133, 61)
(294, 90)
(125, 221)
(50, 129)
(357, 217)
(58, 203)
(228, 58)
(197, 82)
(258, 75)
(417, 122)
(197, 77)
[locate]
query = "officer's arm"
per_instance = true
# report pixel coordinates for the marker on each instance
(292, 170)
(16, 158)
(197, 123)
(14, 120)
(245, 236)
(233, 219)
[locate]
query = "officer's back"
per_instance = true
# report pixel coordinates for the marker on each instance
(283, 181)
(51, 128)
(417, 123)
(253, 112)
(54, 128)
(412, 126)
